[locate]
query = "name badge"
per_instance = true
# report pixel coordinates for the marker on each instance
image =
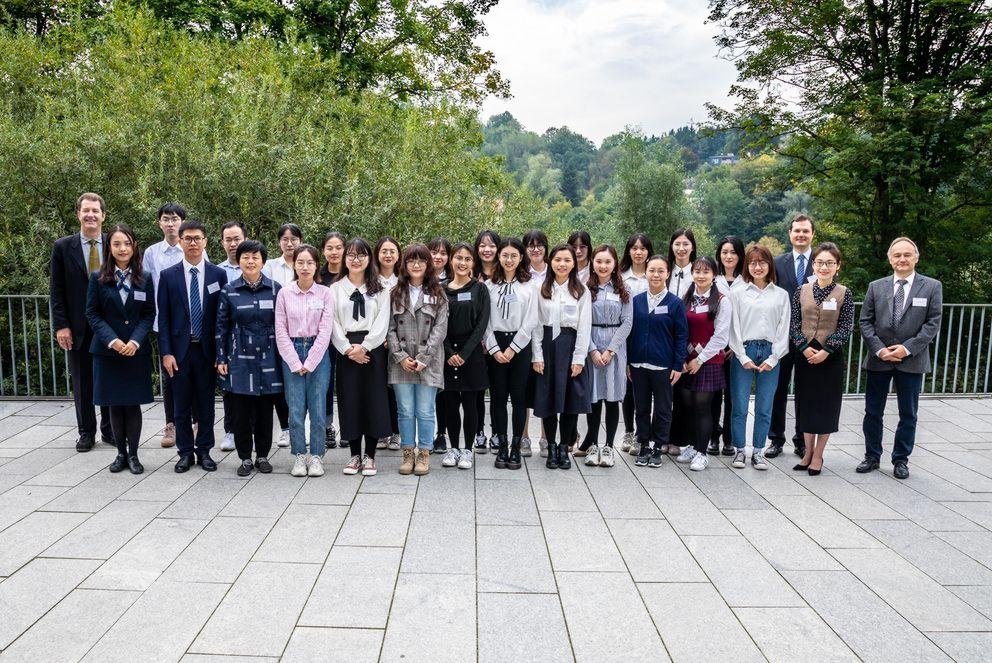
(830, 305)
(213, 287)
(919, 301)
(140, 295)
(316, 304)
(705, 308)
(612, 297)
(570, 309)
(266, 303)
(510, 297)
(810, 278)
(464, 296)
(428, 299)
(660, 310)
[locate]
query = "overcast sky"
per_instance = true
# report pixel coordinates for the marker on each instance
(598, 65)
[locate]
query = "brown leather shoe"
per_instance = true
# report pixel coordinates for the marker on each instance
(406, 467)
(169, 436)
(423, 464)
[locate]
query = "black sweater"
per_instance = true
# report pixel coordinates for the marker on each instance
(468, 316)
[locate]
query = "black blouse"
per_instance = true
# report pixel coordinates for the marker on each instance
(468, 316)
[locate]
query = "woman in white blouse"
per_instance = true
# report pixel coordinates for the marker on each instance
(633, 271)
(536, 243)
(386, 258)
(560, 346)
(730, 262)
(361, 321)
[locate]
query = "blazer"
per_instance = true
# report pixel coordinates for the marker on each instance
(418, 333)
(68, 284)
(110, 318)
(785, 273)
(173, 310)
(915, 329)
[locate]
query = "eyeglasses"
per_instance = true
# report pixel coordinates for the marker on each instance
(416, 262)
(356, 257)
(194, 239)
(535, 248)
(824, 263)
(291, 239)
(757, 263)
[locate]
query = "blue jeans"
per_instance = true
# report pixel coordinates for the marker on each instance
(765, 385)
(908, 387)
(305, 394)
(415, 415)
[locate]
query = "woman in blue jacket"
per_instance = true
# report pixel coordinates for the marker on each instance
(120, 308)
(656, 351)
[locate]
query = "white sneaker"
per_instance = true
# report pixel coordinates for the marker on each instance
(699, 462)
(368, 467)
(544, 448)
(451, 457)
(606, 457)
(626, 441)
(739, 459)
(228, 443)
(592, 456)
(635, 448)
(758, 460)
(315, 468)
(394, 442)
(465, 459)
(688, 453)
(300, 466)
(283, 439)
(525, 447)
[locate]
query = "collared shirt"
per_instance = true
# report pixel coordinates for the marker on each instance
(679, 280)
(304, 314)
(909, 286)
(584, 274)
(564, 311)
(721, 329)
(86, 247)
(200, 277)
(375, 321)
(233, 270)
(760, 314)
(513, 308)
(795, 264)
(654, 300)
(537, 275)
(279, 271)
(724, 287)
(635, 284)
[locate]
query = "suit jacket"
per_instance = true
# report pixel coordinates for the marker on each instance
(915, 329)
(785, 273)
(173, 310)
(68, 283)
(130, 320)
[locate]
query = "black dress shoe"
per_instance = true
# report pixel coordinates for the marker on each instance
(119, 463)
(773, 450)
(867, 465)
(714, 448)
(799, 467)
(184, 463)
(728, 449)
(84, 443)
(813, 472)
(900, 469)
(206, 462)
(135, 465)
(263, 465)
(106, 439)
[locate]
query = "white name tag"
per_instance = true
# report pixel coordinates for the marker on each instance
(428, 299)
(570, 309)
(810, 278)
(213, 287)
(705, 308)
(140, 296)
(316, 304)
(266, 303)
(464, 296)
(830, 305)
(510, 297)
(660, 310)
(612, 297)
(919, 301)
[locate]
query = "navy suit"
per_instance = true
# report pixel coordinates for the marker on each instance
(196, 378)
(785, 278)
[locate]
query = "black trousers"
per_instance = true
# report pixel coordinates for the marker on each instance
(282, 411)
(251, 422)
(169, 401)
(126, 423)
(480, 406)
(776, 432)
(81, 372)
(468, 401)
(194, 383)
(394, 423)
(595, 417)
(356, 446)
(569, 424)
(653, 423)
(722, 397)
(440, 412)
(700, 419)
(628, 409)
(508, 381)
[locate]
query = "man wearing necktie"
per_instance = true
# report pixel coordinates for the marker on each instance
(900, 317)
(793, 269)
(73, 258)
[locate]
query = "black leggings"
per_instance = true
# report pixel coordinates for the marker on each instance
(441, 412)
(628, 409)
(394, 422)
(480, 408)
(282, 411)
(509, 381)
(468, 401)
(251, 423)
(569, 424)
(125, 420)
(592, 423)
(699, 418)
(356, 446)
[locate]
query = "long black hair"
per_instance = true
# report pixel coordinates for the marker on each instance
(575, 286)
(522, 272)
(715, 296)
(361, 247)
(738, 246)
(108, 270)
(615, 279)
(478, 267)
(431, 285)
(626, 262)
(692, 240)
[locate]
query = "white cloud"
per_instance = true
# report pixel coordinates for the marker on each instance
(598, 65)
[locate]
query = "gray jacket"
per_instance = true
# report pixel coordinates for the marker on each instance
(418, 333)
(915, 328)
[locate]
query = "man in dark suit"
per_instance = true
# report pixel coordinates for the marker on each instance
(188, 294)
(899, 319)
(792, 270)
(73, 258)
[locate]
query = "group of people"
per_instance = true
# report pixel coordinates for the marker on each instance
(411, 338)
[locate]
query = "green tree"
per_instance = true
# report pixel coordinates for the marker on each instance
(724, 208)
(571, 153)
(543, 179)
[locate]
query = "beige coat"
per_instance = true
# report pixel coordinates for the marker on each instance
(418, 333)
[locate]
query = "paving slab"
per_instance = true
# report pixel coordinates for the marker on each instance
(749, 581)
(653, 551)
(557, 490)
(538, 625)
(690, 512)
(220, 551)
(304, 534)
(377, 520)
(22, 500)
(785, 635)
(580, 542)
(332, 645)
(502, 502)
(354, 588)
(204, 499)
(779, 541)
(929, 553)
(450, 600)
(513, 559)
(965, 647)
(822, 523)
(103, 533)
(447, 534)
(26, 539)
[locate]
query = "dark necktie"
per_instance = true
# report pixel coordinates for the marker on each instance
(358, 306)
(504, 306)
(122, 277)
(898, 301)
(195, 307)
(800, 269)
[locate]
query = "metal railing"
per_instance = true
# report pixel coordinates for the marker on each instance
(33, 366)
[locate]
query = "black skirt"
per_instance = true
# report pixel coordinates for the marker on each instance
(363, 403)
(122, 380)
(555, 391)
(819, 393)
(470, 376)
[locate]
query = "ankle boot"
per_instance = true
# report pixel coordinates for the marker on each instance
(513, 462)
(564, 462)
(553, 456)
(502, 453)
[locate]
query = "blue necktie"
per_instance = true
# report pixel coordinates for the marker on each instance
(801, 269)
(122, 280)
(195, 309)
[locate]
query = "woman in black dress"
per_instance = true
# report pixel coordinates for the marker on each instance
(120, 308)
(440, 249)
(333, 250)
(822, 322)
(486, 264)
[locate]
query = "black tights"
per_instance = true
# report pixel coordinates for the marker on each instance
(468, 401)
(592, 423)
(699, 416)
(356, 446)
(628, 409)
(126, 423)
(569, 424)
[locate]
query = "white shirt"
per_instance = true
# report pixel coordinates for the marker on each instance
(563, 310)
(635, 284)
(512, 308)
(414, 292)
(537, 275)
(721, 329)
(389, 282)
(724, 287)
(679, 280)
(200, 276)
(584, 274)
(760, 314)
(375, 321)
(279, 271)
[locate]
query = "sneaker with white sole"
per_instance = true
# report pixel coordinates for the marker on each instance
(635, 448)
(300, 466)
(592, 456)
(228, 443)
(699, 462)
(606, 457)
(451, 457)
(283, 440)
(525, 449)
(368, 467)
(643, 456)
(544, 448)
(382, 443)
(739, 459)
(686, 456)
(354, 465)
(465, 459)
(758, 461)
(626, 441)
(394, 442)
(480, 444)
(315, 468)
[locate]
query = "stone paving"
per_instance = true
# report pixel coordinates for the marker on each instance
(624, 564)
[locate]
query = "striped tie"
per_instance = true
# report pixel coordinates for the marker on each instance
(122, 278)
(195, 309)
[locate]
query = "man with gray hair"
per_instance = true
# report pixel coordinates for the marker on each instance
(899, 319)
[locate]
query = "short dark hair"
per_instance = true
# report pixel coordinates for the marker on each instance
(293, 229)
(536, 236)
(234, 224)
(251, 246)
(580, 236)
(827, 247)
(801, 217)
(738, 246)
(192, 224)
(172, 208)
(95, 197)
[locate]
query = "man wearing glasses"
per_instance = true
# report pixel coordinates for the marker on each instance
(188, 294)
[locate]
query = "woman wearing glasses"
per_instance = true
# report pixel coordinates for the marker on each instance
(536, 244)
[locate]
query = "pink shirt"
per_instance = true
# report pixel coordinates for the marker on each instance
(302, 315)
